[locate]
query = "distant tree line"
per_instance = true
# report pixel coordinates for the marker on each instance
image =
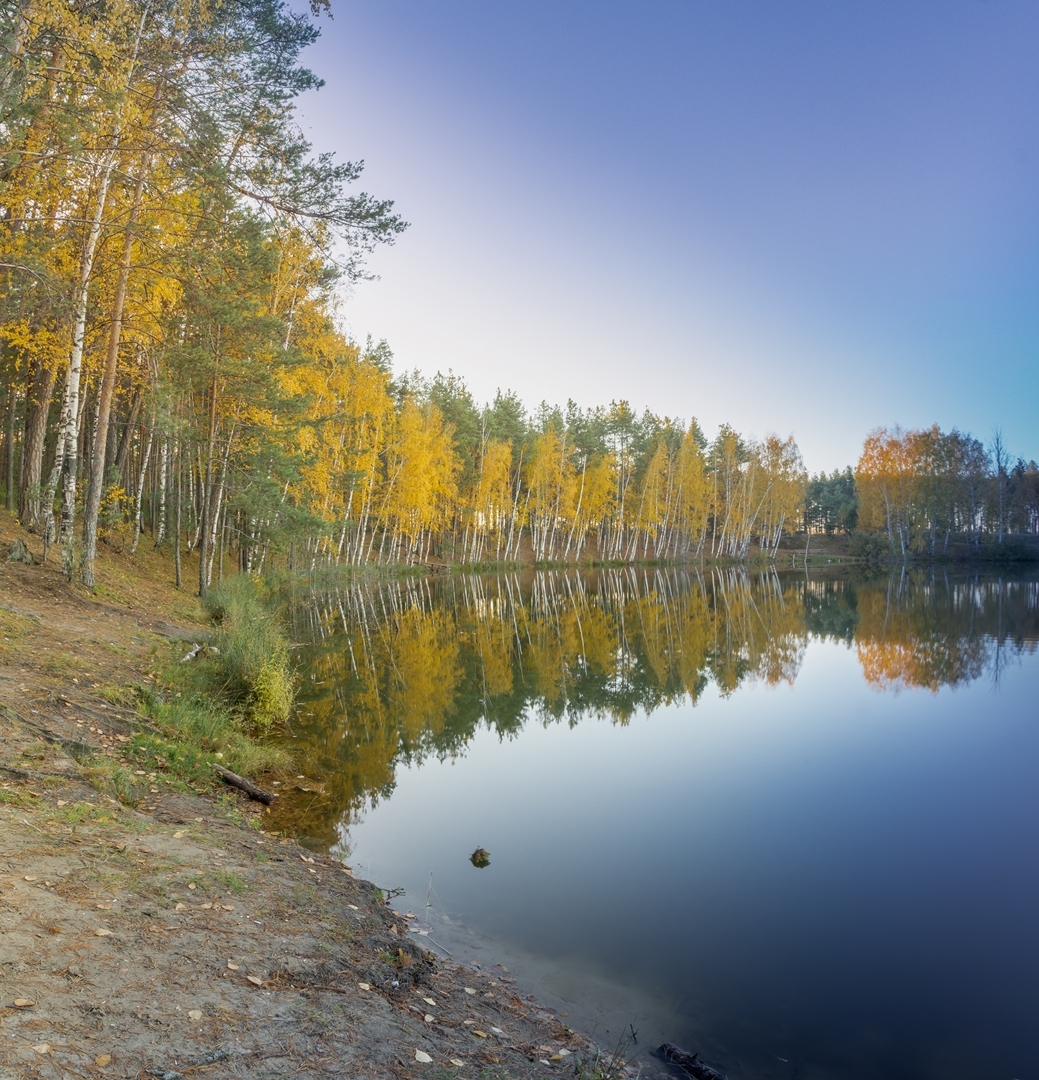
(922, 487)
(831, 503)
(171, 363)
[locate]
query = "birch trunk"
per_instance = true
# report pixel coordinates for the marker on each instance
(139, 494)
(164, 459)
(96, 482)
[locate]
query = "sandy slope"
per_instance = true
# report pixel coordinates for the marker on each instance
(178, 938)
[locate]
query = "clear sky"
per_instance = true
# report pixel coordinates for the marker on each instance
(808, 218)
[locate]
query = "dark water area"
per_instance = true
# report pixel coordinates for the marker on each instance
(791, 822)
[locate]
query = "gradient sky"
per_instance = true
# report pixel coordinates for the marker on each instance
(808, 218)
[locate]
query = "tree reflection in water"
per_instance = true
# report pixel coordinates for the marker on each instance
(399, 670)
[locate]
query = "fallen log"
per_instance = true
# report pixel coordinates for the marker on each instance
(691, 1063)
(247, 786)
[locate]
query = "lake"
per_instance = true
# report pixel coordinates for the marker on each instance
(790, 821)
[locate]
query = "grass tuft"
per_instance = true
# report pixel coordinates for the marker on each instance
(253, 658)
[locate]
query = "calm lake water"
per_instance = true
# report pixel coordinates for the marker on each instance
(791, 822)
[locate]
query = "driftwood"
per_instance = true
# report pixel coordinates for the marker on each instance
(691, 1063)
(247, 786)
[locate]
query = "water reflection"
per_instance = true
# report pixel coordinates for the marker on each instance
(396, 671)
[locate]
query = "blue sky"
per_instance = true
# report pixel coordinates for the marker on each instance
(808, 218)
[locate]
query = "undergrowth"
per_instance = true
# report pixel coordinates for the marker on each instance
(252, 662)
(214, 709)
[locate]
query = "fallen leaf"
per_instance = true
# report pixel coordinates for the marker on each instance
(62, 802)
(232, 967)
(364, 986)
(102, 1060)
(564, 1052)
(479, 1034)
(23, 1003)
(429, 1001)
(353, 907)
(457, 1061)
(228, 907)
(556, 1057)
(192, 885)
(428, 1018)
(208, 905)
(255, 980)
(181, 907)
(178, 835)
(497, 1031)
(421, 1055)
(30, 877)
(42, 1048)
(195, 1014)
(468, 989)
(102, 932)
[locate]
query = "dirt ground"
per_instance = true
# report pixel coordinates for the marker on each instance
(177, 938)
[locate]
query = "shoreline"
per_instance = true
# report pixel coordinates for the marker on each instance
(178, 935)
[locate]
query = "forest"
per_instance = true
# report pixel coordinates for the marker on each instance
(173, 259)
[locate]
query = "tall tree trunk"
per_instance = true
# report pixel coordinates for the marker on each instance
(206, 496)
(12, 401)
(127, 440)
(164, 458)
(38, 393)
(139, 494)
(68, 431)
(66, 454)
(96, 483)
(215, 511)
(176, 549)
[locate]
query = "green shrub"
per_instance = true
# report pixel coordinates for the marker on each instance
(252, 661)
(872, 548)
